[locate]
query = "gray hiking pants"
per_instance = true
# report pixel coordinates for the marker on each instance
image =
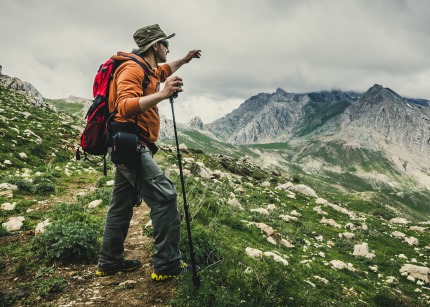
(159, 193)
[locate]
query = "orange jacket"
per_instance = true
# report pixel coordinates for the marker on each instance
(126, 89)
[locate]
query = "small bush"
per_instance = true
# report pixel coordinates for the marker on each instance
(44, 188)
(68, 242)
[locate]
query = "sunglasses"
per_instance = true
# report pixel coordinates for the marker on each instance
(165, 43)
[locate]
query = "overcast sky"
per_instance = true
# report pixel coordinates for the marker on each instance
(249, 46)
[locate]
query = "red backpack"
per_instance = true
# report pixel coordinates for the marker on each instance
(95, 137)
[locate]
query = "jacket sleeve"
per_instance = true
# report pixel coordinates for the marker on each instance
(164, 72)
(128, 89)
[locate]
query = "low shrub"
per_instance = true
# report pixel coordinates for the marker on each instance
(68, 242)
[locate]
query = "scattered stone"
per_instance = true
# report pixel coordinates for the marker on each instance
(288, 218)
(8, 206)
(95, 203)
(127, 283)
(7, 162)
(402, 256)
(254, 253)
(286, 243)
(320, 211)
(418, 228)
(22, 155)
(14, 223)
(271, 207)
(40, 228)
(347, 235)
(276, 257)
(398, 234)
(340, 265)
(235, 203)
(7, 186)
(110, 183)
(303, 189)
(239, 190)
(284, 187)
(419, 272)
(295, 213)
(271, 240)
(261, 211)
(183, 148)
(265, 184)
(266, 229)
(363, 250)
(399, 220)
(350, 226)
(391, 280)
(330, 222)
(321, 279)
(412, 241)
(374, 268)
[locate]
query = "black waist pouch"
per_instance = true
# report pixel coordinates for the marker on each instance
(124, 148)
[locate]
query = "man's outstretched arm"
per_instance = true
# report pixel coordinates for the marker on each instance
(193, 54)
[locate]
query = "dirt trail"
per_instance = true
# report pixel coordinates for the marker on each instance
(123, 289)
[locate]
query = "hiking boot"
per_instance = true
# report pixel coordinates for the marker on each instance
(184, 269)
(126, 266)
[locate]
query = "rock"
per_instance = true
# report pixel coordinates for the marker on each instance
(412, 241)
(276, 257)
(295, 213)
(321, 201)
(399, 220)
(350, 226)
(22, 155)
(183, 148)
(110, 183)
(340, 265)
(7, 186)
(266, 229)
(374, 268)
(95, 203)
(14, 223)
(330, 222)
(261, 211)
(271, 207)
(235, 203)
(286, 243)
(391, 280)
(363, 251)
(284, 187)
(398, 234)
(418, 228)
(347, 235)
(254, 253)
(303, 189)
(288, 218)
(322, 279)
(265, 184)
(40, 228)
(418, 272)
(8, 206)
(127, 283)
(319, 211)
(239, 190)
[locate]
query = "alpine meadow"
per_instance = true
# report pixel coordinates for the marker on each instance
(295, 199)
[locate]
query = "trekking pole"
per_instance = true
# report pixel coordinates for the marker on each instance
(196, 279)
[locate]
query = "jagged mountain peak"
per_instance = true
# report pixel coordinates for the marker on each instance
(377, 93)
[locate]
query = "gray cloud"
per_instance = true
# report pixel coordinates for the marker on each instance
(248, 46)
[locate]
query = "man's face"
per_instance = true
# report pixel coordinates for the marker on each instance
(162, 51)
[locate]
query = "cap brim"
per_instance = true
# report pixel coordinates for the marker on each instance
(146, 47)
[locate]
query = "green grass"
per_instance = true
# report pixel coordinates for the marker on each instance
(221, 233)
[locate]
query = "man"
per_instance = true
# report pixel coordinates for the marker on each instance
(146, 180)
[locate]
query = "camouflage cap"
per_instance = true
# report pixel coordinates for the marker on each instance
(146, 36)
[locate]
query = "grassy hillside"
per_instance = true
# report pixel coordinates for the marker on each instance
(261, 238)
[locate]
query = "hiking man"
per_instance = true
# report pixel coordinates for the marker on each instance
(143, 180)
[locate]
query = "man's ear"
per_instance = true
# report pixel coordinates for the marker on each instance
(155, 46)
